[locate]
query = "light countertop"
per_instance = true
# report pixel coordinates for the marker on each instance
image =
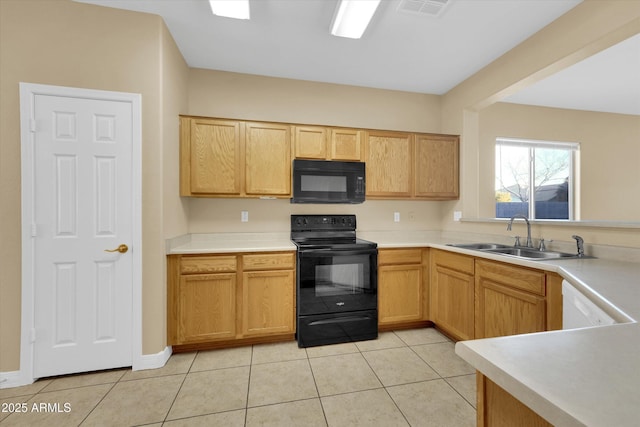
(212, 243)
(578, 377)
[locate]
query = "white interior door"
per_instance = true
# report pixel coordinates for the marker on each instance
(82, 197)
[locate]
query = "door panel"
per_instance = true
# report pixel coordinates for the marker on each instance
(82, 207)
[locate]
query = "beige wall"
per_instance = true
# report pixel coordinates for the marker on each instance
(609, 154)
(223, 215)
(174, 210)
(59, 42)
(583, 31)
(244, 96)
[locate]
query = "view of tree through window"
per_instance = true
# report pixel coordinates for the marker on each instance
(534, 178)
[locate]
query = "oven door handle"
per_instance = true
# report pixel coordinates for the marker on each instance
(345, 319)
(332, 252)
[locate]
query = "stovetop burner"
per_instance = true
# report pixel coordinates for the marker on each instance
(327, 232)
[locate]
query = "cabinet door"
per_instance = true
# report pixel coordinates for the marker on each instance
(389, 158)
(211, 157)
(267, 159)
(310, 142)
(346, 144)
(399, 293)
(502, 311)
(268, 305)
(206, 307)
(452, 299)
(437, 171)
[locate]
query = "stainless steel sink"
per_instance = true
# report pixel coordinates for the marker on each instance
(517, 251)
(530, 253)
(480, 246)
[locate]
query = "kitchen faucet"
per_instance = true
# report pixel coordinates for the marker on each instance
(580, 243)
(529, 243)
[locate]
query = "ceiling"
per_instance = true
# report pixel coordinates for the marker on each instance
(399, 51)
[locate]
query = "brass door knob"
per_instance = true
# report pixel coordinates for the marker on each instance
(122, 249)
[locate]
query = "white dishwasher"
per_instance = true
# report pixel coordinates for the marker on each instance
(580, 312)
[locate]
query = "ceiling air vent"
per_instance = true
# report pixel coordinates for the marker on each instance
(423, 7)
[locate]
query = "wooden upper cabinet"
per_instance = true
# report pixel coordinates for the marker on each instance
(437, 166)
(310, 142)
(231, 158)
(389, 159)
(346, 144)
(322, 143)
(267, 159)
(235, 158)
(211, 157)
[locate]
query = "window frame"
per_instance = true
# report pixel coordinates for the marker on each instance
(531, 145)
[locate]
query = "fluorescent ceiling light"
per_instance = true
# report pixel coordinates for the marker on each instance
(238, 9)
(352, 17)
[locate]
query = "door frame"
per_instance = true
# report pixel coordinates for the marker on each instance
(28, 92)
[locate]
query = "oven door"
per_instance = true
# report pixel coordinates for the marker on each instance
(337, 281)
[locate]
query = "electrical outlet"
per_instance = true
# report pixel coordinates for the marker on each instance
(457, 215)
(396, 217)
(244, 216)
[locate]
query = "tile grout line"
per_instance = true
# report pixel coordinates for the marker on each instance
(246, 404)
(384, 386)
(315, 384)
(180, 388)
(99, 402)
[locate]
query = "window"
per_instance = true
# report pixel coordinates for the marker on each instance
(535, 178)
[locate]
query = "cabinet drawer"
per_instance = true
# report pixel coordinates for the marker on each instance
(454, 261)
(277, 261)
(399, 256)
(515, 277)
(207, 264)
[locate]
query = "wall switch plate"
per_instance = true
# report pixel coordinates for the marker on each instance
(244, 216)
(457, 215)
(396, 217)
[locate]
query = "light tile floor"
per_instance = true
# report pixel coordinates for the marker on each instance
(404, 378)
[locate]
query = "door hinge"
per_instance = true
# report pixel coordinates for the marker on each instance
(33, 335)
(32, 125)
(34, 230)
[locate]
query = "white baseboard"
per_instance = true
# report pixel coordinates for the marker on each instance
(14, 379)
(152, 361)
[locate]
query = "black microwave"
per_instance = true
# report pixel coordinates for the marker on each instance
(322, 181)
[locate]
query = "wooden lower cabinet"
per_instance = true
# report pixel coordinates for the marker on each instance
(402, 284)
(207, 307)
(452, 293)
(510, 300)
(514, 300)
(497, 408)
(226, 298)
(268, 302)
